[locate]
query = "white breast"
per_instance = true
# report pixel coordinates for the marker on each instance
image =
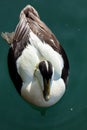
(26, 63)
(32, 93)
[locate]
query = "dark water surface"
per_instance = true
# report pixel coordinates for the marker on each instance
(68, 20)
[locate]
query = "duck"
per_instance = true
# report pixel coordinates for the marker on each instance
(37, 63)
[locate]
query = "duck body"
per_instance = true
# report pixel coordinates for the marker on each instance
(36, 59)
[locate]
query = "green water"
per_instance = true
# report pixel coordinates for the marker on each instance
(68, 20)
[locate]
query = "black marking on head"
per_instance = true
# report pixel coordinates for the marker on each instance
(13, 71)
(46, 69)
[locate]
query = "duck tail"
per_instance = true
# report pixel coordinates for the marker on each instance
(8, 37)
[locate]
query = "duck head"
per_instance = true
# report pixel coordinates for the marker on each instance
(43, 73)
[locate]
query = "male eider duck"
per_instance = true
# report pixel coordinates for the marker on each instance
(37, 63)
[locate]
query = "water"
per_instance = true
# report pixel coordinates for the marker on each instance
(68, 20)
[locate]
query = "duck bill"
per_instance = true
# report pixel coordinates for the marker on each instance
(46, 92)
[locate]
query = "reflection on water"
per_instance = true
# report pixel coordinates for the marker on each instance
(68, 21)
